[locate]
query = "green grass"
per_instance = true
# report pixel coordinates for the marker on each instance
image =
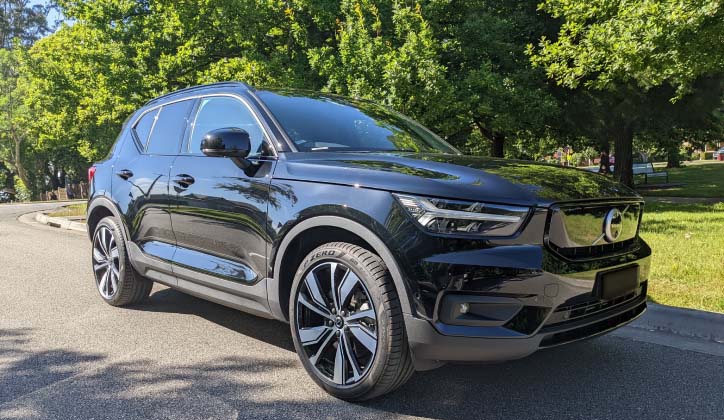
(701, 180)
(69, 211)
(687, 267)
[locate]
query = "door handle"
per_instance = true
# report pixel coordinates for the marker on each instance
(124, 173)
(184, 180)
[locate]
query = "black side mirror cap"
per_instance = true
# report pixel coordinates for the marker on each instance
(226, 142)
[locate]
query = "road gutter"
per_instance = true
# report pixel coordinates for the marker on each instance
(686, 329)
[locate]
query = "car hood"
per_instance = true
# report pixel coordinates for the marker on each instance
(453, 176)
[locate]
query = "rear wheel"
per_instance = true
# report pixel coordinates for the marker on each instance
(347, 323)
(117, 282)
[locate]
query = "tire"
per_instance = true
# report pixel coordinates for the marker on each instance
(117, 281)
(361, 280)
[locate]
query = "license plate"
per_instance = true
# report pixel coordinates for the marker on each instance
(613, 284)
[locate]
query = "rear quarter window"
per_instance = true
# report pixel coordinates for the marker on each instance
(169, 128)
(143, 127)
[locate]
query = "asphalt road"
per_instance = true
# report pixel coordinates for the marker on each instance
(65, 354)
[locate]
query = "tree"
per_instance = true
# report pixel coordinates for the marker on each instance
(624, 50)
(12, 135)
(21, 22)
(496, 91)
(385, 51)
(20, 26)
(459, 67)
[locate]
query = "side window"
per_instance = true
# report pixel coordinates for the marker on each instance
(224, 112)
(144, 125)
(170, 125)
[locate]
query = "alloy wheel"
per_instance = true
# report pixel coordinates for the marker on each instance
(106, 264)
(336, 323)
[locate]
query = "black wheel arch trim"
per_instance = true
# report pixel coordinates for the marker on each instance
(106, 203)
(353, 227)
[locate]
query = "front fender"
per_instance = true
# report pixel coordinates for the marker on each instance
(273, 287)
(373, 215)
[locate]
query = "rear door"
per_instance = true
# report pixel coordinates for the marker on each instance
(142, 179)
(219, 211)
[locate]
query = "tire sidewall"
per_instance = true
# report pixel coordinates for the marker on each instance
(382, 312)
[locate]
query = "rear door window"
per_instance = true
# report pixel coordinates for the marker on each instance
(169, 128)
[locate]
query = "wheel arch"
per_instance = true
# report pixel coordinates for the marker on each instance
(279, 287)
(100, 207)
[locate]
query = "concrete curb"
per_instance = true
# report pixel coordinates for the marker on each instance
(690, 323)
(60, 222)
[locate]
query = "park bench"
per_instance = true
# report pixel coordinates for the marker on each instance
(647, 170)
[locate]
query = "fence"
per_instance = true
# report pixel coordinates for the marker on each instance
(72, 191)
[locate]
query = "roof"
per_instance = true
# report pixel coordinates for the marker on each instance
(200, 87)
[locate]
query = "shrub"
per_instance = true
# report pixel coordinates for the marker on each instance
(706, 155)
(22, 193)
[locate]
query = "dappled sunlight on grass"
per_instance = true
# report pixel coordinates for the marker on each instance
(700, 180)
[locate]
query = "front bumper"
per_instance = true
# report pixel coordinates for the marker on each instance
(514, 314)
(430, 348)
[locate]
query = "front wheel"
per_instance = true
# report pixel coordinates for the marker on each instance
(347, 323)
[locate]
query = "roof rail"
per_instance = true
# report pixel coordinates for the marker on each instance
(198, 87)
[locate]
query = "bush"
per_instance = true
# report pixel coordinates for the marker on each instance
(22, 193)
(706, 155)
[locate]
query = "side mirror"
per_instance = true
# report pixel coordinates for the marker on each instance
(226, 142)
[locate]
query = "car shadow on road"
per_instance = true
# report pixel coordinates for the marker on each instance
(269, 331)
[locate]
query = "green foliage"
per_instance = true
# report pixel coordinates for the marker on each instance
(394, 62)
(475, 71)
(634, 58)
(22, 193)
(21, 22)
(494, 89)
(650, 43)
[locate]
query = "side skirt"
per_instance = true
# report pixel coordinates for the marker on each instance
(250, 298)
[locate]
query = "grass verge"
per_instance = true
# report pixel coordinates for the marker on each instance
(687, 267)
(69, 211)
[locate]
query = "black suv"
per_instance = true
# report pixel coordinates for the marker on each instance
(385, 248)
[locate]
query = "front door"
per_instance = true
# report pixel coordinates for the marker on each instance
(219, 211)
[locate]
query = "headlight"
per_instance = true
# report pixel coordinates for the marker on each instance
(463, 217)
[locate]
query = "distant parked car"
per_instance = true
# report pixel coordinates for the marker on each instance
(5, 197)
(717, 155)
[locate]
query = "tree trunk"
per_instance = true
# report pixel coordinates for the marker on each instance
(19, 168)
(497, 143)
(623, 143)
(497, 140)
(672, 157)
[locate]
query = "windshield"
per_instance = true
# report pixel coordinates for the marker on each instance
(321, 123)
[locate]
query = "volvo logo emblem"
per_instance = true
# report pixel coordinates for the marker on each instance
(612, 225)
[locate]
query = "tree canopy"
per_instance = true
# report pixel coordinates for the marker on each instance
(512, 79)
(632, 52)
